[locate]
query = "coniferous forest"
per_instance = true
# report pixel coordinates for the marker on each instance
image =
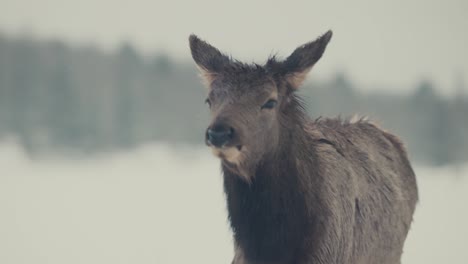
(55, 97)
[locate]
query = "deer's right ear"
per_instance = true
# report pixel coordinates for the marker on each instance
(209, 59)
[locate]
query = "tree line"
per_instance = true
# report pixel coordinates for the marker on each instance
(58, 97)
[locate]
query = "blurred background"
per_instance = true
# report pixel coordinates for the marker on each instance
(102, 118)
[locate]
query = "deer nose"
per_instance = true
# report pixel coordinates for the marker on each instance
(219, 135)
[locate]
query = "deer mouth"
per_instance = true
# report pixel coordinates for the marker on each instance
(231, 154)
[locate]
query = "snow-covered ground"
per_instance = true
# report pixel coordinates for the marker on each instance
(164, 205)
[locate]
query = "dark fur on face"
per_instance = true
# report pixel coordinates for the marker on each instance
(237, 92)
(302, 191)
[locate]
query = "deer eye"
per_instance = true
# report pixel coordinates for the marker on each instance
(208, 102)
(269, 104)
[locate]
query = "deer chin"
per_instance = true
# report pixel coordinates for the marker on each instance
(235, 159)
(231, 154)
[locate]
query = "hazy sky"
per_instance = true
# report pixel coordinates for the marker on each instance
(391, 43)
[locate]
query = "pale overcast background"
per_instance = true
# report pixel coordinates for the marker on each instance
(158, 203)
(378, 43)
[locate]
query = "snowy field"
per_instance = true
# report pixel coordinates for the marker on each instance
(164, 205)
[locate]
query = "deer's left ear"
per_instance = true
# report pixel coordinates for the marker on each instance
(301, 61)
(209, 59)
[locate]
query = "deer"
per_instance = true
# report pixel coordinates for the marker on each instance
(302, 190)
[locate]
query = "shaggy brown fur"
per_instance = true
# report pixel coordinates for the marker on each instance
(302, 191)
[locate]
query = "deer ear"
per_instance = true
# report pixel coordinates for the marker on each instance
(301, 61)
(209, 59)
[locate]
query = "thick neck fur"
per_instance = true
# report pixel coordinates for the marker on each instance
(268, 215)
